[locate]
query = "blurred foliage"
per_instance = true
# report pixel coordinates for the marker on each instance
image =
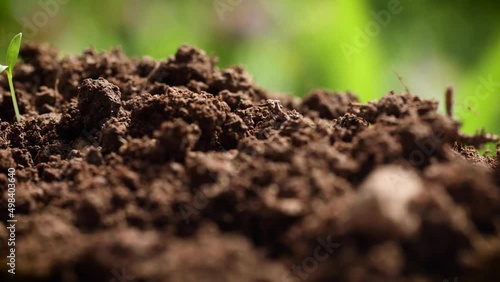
(296, 46)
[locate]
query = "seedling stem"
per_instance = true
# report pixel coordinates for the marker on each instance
(12, 54)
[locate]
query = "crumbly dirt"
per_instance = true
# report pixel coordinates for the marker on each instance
(176, 170)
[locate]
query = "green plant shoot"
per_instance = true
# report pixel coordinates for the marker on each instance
(11, 58)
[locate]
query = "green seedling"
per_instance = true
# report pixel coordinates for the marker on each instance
(12, 54)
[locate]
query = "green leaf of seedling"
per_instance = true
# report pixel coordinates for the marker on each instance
(13, 51)
(12, 54)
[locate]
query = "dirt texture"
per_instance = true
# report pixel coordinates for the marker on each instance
(176, 170)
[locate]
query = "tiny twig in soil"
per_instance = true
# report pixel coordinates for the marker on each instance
(56, 92)
(472, 110)
(402, 81)
(449, 100)
(400, 78)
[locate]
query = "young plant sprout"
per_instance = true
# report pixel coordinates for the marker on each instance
(12, 54)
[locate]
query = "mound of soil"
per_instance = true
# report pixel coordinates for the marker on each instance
(176, 170)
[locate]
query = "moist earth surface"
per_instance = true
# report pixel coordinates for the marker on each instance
(177, 170)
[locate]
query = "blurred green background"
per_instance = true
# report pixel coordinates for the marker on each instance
(296, 46)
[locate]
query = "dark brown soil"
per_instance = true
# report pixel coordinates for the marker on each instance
(138, 170)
